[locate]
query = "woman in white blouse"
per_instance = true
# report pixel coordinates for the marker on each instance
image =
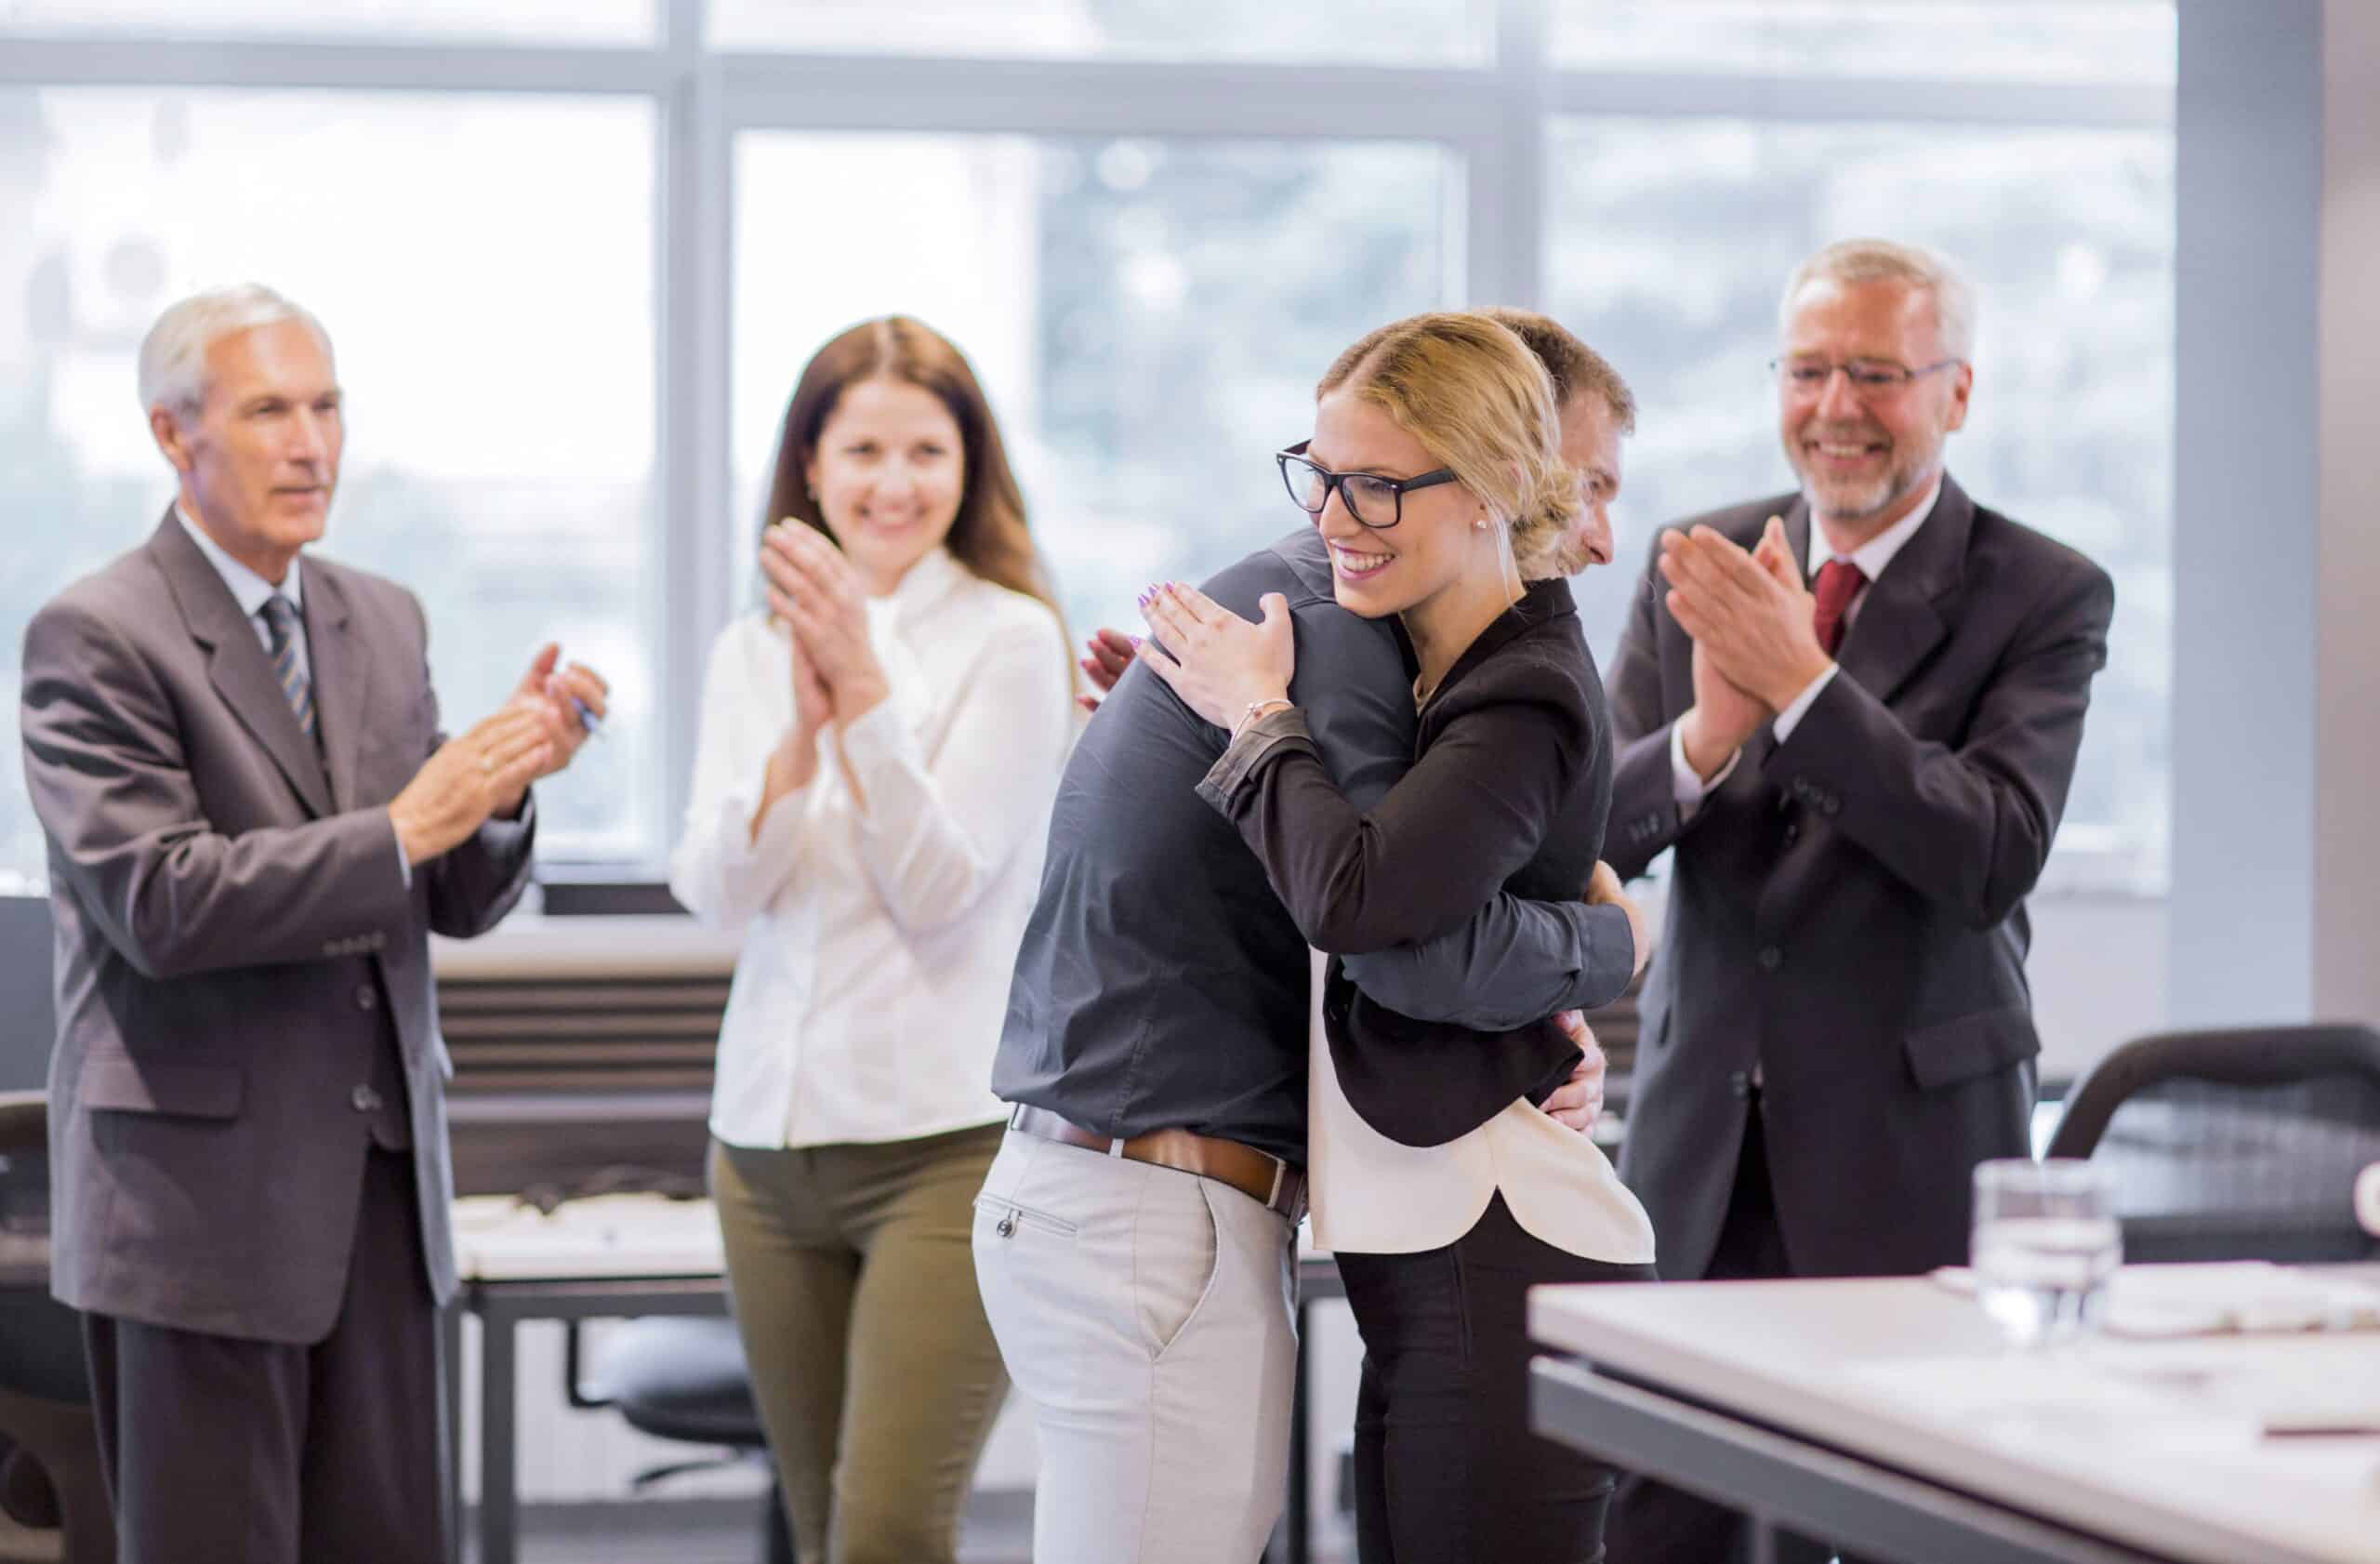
(878, 755)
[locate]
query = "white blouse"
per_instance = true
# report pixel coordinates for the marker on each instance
(878, 941)
(1371, 1195)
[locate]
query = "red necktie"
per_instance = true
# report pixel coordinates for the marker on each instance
(1839, 581)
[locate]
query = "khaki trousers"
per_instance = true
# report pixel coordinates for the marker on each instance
(1149, 1316)
(853, 1286)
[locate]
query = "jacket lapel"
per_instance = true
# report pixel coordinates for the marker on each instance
(236, 662)
(342, 670)
(1901, 621)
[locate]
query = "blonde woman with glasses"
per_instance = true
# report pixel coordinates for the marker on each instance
(1433, 473)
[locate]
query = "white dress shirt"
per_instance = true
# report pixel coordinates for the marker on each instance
(1871, 557)
(878, 941)
(1371, 1195)
(252, 591)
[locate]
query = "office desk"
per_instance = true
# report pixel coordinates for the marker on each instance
(614, 1256)
(617, 1256)
(1887, 1416)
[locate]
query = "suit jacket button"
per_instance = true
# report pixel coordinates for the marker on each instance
(364, 1100)
(1770, 958)
(1739, 1084)
(366, 996)
(1832, 805)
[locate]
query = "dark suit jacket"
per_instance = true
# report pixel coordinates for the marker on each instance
(238, 948)
(1848, 909)
(1510, 784)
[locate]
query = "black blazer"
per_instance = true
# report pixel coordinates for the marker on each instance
(1846, 910)
(1509, 786)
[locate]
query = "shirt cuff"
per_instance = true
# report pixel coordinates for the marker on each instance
(1790, 718)
(872, 737)
(404, 865)
(1686, 787)
(1246, 753)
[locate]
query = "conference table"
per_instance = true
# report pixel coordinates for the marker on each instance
(1890, 1418)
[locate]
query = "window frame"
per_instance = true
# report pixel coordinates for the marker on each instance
(1492, 119)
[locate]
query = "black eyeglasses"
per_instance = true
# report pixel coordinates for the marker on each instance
(1374, 501)
(1870, 377)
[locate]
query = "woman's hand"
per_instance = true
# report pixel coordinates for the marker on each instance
(814, 588)
(795, 760)
(1216, 662)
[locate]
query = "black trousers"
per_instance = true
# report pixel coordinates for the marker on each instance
(1653, 1523)
(1446, 1467)
(220, 1448)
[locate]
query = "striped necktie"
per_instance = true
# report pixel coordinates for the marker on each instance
(281, 622)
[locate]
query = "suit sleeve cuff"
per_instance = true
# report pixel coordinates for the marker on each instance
(1245, 755)
(1790, 718)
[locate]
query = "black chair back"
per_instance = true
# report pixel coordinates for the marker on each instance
(2234, 1144)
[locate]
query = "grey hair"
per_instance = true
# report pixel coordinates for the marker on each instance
(1872, 260)
(173, 356)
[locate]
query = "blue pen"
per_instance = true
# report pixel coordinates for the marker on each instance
(586, 717)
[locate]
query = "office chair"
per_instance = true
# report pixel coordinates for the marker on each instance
(49, 1474)
(2234, 1144)
(682, 1379)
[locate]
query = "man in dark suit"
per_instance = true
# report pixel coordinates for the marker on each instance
(1861, 777)
(254, 826)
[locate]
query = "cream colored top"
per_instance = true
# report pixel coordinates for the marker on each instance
(879, 931)
(1375, 1195)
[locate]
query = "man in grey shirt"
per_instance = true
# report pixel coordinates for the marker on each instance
(1158, 1024)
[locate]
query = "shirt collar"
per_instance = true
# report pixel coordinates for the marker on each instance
(248, 589)
(1878, 551)
(925, 584)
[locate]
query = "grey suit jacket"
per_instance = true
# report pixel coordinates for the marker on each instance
(239, 949)
(1848, 909)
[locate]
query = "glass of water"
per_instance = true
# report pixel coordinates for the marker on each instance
(2046, 1243)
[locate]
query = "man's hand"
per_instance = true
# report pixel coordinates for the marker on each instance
(461, 785)
(1720, 720)
(1603, 890)
(1111, 653)
(1578, 1102)
(1753, 621)
(570, 704)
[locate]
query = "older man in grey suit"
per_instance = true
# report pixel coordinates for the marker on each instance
(253, 826)
(1854, 714)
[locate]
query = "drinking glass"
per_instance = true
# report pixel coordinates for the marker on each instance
(2045, 1242)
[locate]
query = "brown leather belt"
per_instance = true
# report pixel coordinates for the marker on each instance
(1259, 1175)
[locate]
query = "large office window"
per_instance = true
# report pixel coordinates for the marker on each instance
(1143, 314)
(1417, 31)
(483, 265)
(573, 256)
(1671, 242)
(2098, 41)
